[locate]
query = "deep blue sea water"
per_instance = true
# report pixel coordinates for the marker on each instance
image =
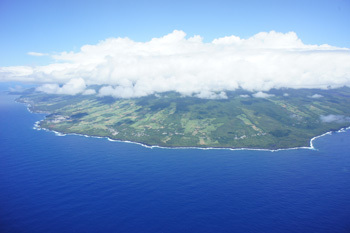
(77, 184)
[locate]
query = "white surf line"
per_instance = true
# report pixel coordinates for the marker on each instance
(311, 147)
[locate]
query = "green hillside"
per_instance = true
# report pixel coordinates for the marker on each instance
(289, 118)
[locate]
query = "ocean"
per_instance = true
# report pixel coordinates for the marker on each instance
(71, 183)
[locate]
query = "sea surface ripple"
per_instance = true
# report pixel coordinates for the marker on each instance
(79, 184)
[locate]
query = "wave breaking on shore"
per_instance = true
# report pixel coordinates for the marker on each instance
(311, 147)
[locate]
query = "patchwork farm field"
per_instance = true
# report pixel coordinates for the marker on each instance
(287, 118)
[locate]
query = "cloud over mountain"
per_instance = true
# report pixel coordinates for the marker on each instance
(334, 118)
(127, 68)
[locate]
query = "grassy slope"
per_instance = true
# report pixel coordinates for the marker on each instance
(277, 122)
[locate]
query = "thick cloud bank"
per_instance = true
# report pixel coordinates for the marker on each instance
(189, 66)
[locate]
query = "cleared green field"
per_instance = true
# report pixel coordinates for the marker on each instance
(168, 119)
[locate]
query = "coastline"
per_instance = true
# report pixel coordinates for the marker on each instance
(310, 147)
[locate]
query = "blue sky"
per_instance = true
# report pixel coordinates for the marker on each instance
(56, 26)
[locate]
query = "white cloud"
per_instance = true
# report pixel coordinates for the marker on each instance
(334, 118)
(17, 88)
(190, 66)
(36, 54)
(73, 87)
(262, 95)
(244, 96)
(316, 96)
(285, 94)
(211, 95)
(89, 92)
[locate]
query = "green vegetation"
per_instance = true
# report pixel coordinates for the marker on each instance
(281, 121)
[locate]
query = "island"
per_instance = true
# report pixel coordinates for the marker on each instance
(278, 119)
